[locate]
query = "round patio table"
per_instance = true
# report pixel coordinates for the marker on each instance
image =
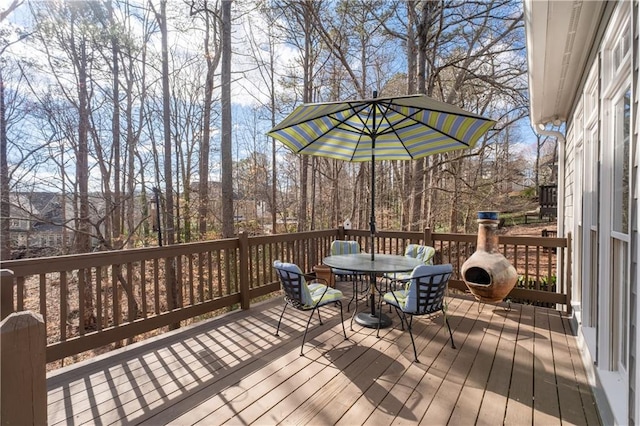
(381, 263)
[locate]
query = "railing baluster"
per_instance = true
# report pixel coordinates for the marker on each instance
(179, 281)
(190, 281)
(538, 277)
(107, 300)
(550, 271)
(98, 298)
(526, 266)
(20, 293)
(131, 294)
(156, 287)
(115, 293)
(63, 306)
(143, 287)
(43, 297)
(209, 275)
(81, 299)
(201, 277)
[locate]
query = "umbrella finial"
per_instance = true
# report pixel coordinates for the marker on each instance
(375, 93)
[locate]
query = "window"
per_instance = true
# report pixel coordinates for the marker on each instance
(620, 215)
(620, 320)
(620, 49)
(619, 236)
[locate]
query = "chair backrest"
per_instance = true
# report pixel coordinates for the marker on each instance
(344, 247)
(427, 288)
(422, 253)
(293, 283)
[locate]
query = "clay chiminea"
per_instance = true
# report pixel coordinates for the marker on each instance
(487, 273)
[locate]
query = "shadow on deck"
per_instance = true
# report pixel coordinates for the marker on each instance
(516, 367)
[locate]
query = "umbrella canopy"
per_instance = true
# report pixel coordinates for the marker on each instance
(395, 128)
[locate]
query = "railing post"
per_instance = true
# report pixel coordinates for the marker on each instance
(23, 368)
(245, 297)
(428, 239)
(6, 293)
(340, 233)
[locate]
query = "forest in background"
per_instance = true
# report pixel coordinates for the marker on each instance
(124, 101)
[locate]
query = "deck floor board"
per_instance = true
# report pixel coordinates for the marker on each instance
(509, 367)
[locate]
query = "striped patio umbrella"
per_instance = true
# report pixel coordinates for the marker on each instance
(395, 128)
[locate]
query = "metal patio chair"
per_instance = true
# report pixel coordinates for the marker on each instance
(305, 296)
(424, 294)
(357, 279)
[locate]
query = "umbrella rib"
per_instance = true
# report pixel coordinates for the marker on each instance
(364, 126)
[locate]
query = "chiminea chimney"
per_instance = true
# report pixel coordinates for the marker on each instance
(487, 273)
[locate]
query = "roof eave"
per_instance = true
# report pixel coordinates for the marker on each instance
(559, 37)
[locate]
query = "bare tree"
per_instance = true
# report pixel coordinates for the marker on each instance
(210, 13)
(173, 289)
(226, 142)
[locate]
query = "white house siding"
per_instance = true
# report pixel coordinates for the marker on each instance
(586, 136)
(569, 173)
(634, 383)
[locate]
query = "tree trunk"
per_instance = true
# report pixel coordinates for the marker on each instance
(213, 58)
(226, 142)
(173, 289)
(5, 209)
(114, 203)
(83, 242)
(306, 97)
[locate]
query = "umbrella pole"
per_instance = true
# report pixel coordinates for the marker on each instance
(372, 220)
(372, 227)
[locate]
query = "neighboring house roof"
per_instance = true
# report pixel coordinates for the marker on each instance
(558, 36)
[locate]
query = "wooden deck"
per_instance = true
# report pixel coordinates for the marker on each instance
(518, 367)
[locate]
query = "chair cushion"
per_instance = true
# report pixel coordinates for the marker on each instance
(407, 299)
(422, 253)
(400, 276)
(295, 269)
(312, 294)
(399, 300)
(411, 302)
(345, 247)
(317, 290)
(417, 251)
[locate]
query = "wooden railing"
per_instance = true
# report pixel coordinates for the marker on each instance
(91, 300)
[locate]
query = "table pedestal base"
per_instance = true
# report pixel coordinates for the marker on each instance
(367, 319)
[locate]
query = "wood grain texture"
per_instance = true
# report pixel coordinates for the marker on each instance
(509, 367)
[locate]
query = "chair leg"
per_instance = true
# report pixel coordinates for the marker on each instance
(280, 320)
(401, 316)
(306, 329)
(339, 303)
(415, 352)
(379, 317)
(354, 295)
(446, 320)
(352, 316)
